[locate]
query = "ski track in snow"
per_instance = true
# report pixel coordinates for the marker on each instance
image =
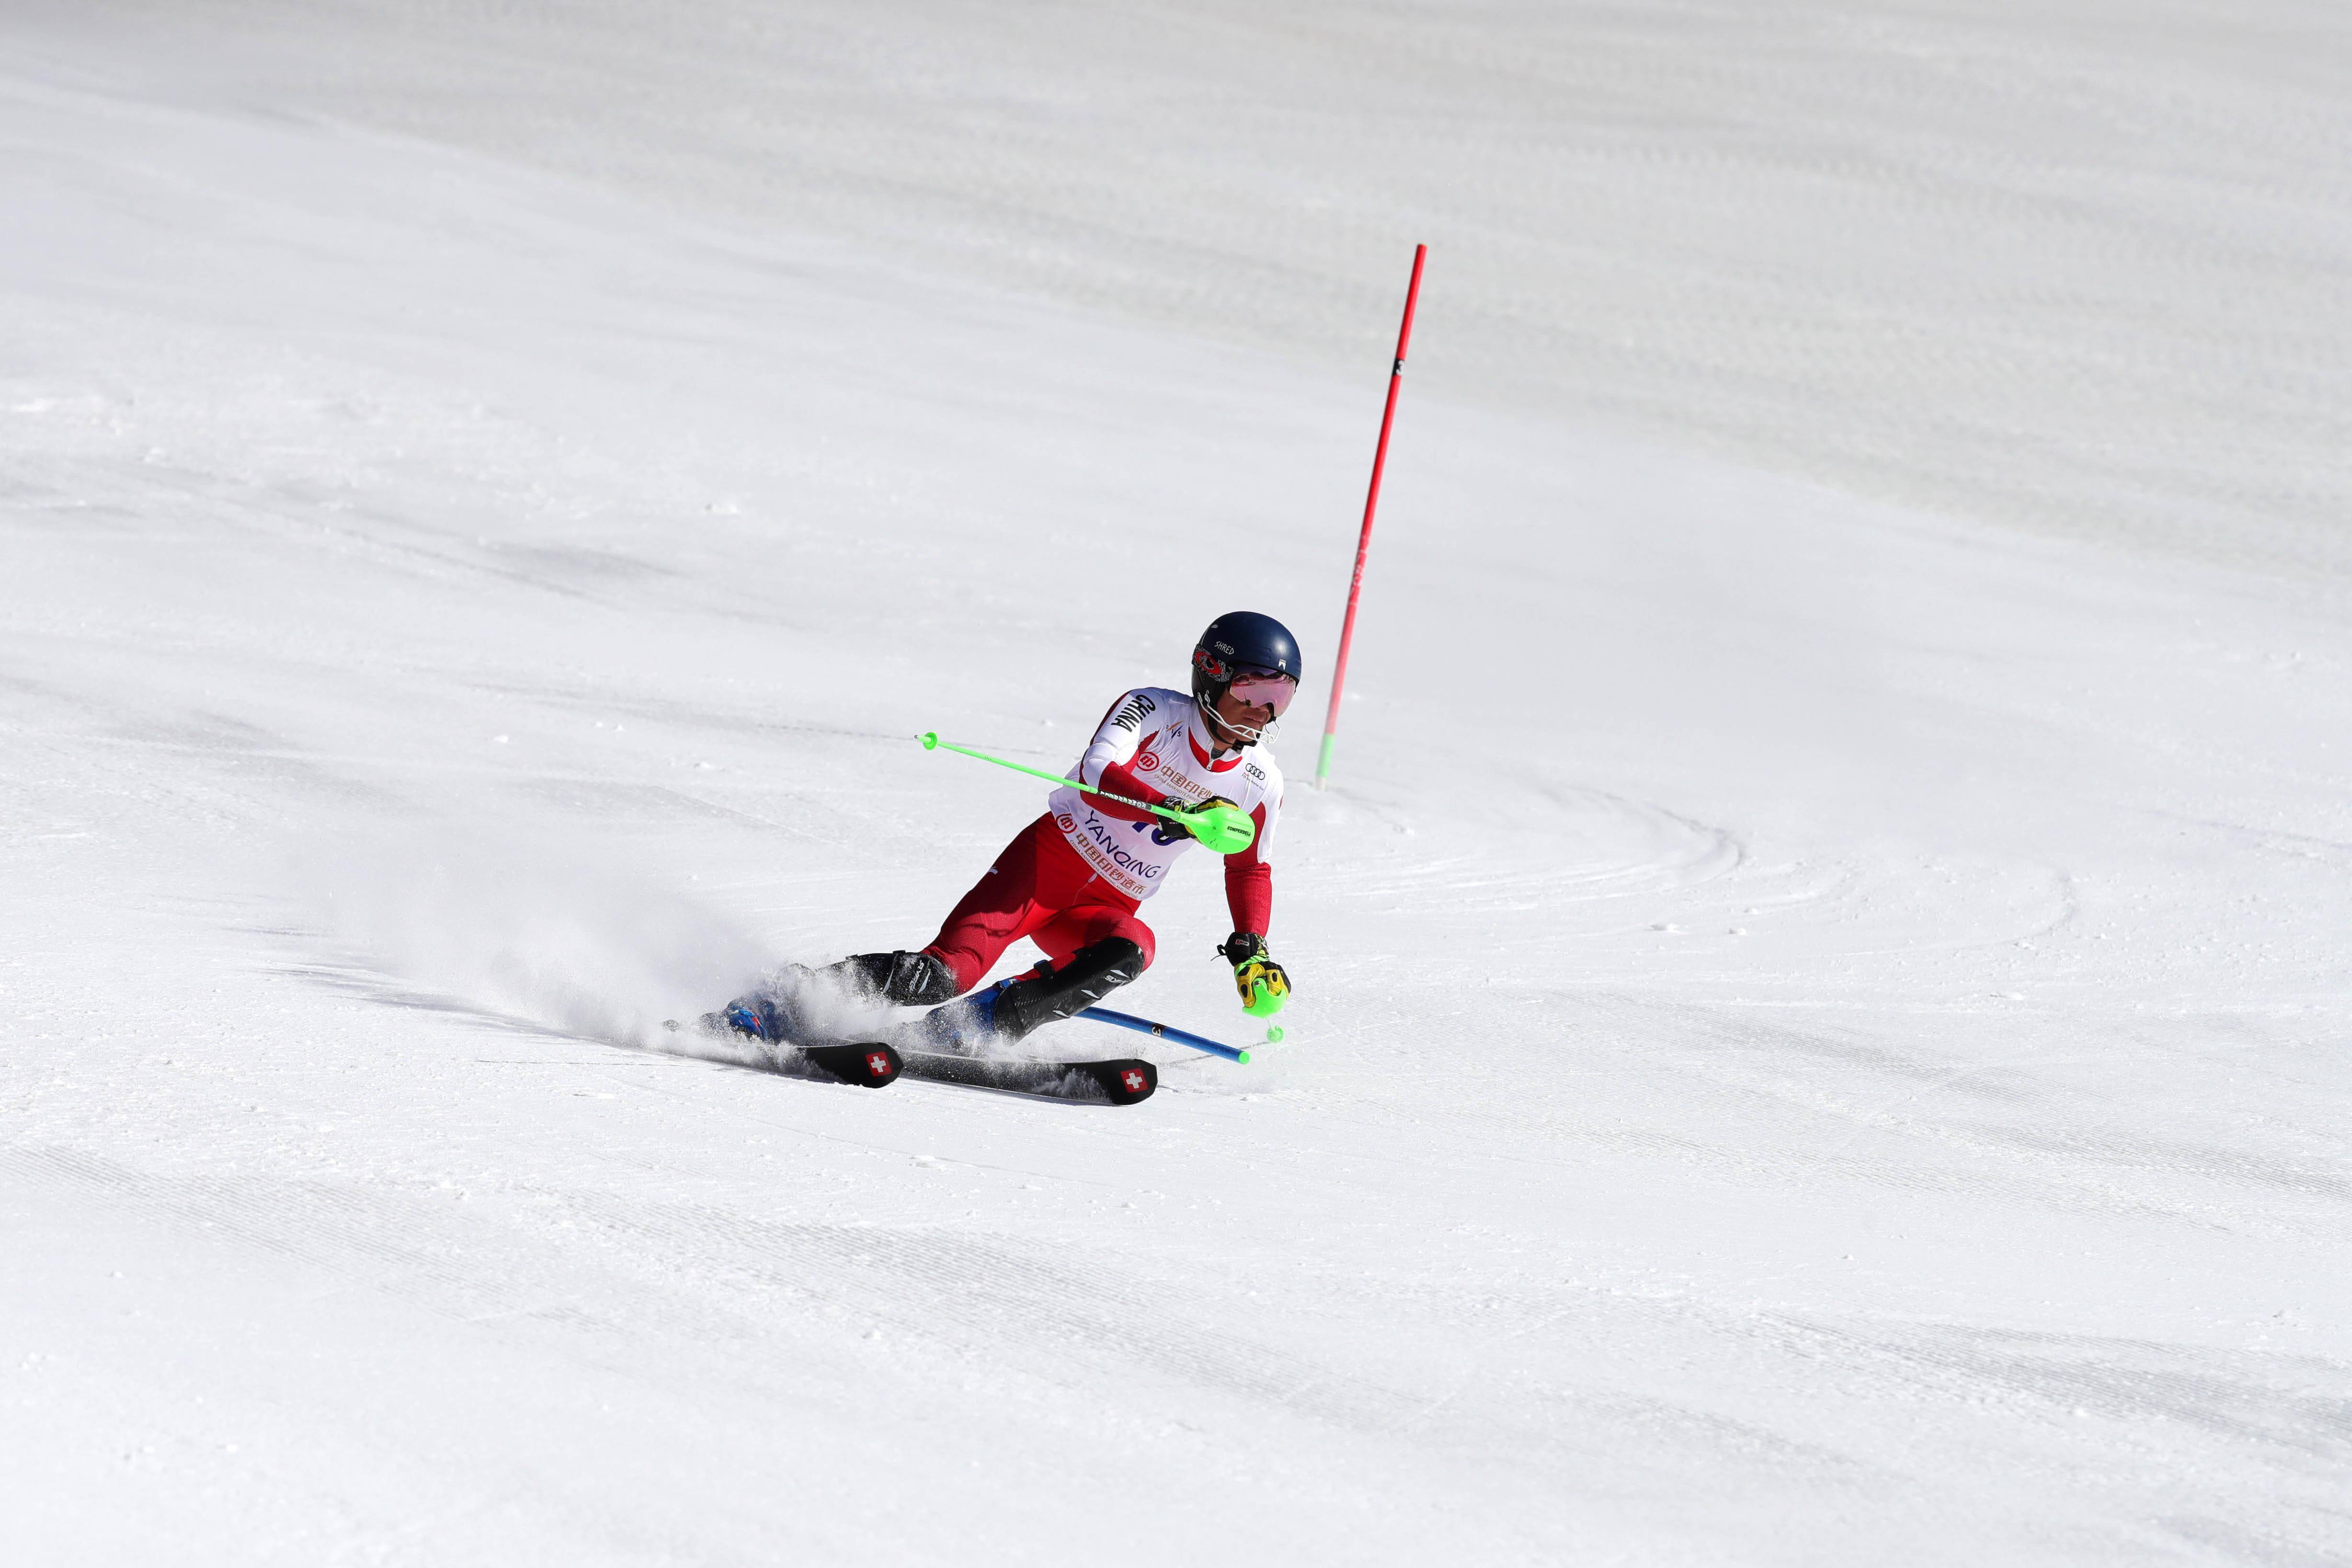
(1820, 1025)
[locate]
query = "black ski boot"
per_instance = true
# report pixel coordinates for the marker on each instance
(797, 1004)
(909, 979)
(1011, 1009)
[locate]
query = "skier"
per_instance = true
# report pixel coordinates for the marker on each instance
(1073, 880)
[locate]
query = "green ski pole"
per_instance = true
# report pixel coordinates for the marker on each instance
(1225, 829)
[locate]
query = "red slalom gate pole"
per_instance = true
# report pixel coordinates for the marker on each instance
(1364, 539)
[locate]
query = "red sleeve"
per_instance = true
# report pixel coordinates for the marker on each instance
(1249, 882)
(1117, 779)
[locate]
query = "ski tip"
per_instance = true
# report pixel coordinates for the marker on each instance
(1242, 1058)
(874, 1065)
(1125, 1081)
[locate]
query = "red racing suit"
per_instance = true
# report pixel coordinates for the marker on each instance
(1078, 874)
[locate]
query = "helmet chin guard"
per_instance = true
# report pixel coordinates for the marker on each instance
(1243, 734)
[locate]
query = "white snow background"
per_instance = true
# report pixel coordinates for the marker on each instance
(1822, 1004)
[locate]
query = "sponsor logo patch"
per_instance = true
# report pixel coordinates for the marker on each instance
(1066, 823)
(1148, 762)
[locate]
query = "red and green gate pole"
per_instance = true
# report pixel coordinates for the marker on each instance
(1364, 539)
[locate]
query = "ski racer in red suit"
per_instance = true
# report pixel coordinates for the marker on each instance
(1073, 881)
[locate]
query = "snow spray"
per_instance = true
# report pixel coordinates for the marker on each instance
(1364, 538)
(508, 923)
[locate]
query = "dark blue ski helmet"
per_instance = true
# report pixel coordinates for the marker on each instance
(1237, 647)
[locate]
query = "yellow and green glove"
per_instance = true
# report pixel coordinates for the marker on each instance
(1200, 819)
(1260, 980)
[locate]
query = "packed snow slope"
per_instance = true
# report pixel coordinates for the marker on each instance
(1823, 1014)
(2078, 266)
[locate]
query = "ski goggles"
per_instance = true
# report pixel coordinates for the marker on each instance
(1264, 688)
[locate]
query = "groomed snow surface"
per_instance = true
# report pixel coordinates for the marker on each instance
(1822, 1008)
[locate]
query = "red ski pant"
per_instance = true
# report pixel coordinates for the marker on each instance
(1042, 888)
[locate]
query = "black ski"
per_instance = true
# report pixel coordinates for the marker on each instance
(873, 1065)
(1122, 1081)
